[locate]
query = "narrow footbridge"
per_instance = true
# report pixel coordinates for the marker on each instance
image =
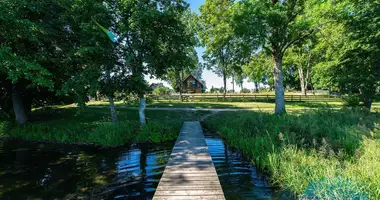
(190, 172)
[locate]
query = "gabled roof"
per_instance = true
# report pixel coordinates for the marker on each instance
(189, 77)
(193, 77)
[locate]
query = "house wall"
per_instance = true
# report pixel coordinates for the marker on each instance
(188, 87)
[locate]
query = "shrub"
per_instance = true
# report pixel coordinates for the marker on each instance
(245, 90)
(161, 90)
(351, 100)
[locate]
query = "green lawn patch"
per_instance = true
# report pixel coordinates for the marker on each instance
(221, 104)
(92, 126)
(313, 153)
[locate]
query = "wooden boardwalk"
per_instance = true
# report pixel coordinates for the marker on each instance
(190, 172)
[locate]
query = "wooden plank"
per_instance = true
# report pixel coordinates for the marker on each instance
(203, 197)
(188, 187)
(190, 172)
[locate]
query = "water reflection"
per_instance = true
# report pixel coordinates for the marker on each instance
(46, 171)
(238, 177)
(49, 171)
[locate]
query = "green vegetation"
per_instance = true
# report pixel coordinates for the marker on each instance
(3, 128)
(312, 153)
(93, 126)
(237, 105)
(161, 90)
(56, 52)
(61, 53)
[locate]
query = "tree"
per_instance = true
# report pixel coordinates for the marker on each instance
(213, 90)
(359, 70)
(52, 50)
(217, 35)
(35, 44)
(152, 38)
(302, 57)
(239, 79)
(187, 58)
(258, 68)
(348, 51)
(161, 90)
(275, 26)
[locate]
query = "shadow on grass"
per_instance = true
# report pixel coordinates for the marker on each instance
(239, 105)
(313, 104)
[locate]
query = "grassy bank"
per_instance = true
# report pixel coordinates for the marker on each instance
(324, 154)
(92, 126)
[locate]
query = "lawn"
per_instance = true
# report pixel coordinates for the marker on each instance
(235, 105)
(92, 126)
(329, 154)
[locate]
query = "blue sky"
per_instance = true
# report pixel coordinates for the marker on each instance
(210, 77)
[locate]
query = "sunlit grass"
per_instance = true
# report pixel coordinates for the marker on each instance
(312, 153)
(204, 104)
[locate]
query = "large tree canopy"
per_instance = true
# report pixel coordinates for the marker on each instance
(217, 36)
(276, 26)
(57, 48)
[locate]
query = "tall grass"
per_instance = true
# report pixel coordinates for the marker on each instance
(92, 126)
(318, 154)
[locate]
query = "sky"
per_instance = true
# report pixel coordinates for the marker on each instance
(211, 79)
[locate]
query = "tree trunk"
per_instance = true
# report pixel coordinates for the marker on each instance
(367, 102)
(113, 110)
(302, 81)
(142, 109)
(311, 85)
(366, 97)
(18, 107)
(225, 86)
(110, 98)
(257, 90)
(278, 83)
(180, 84)
(233, 84)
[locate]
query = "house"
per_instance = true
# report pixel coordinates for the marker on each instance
(191, 85)
(155, 85)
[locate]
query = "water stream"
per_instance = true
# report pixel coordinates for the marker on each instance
(51, 171)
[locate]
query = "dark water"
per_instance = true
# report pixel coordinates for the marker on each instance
(238, 177)
(50, 171)
(38, 171)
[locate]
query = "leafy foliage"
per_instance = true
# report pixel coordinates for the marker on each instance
(216, 33)
(161, 90)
